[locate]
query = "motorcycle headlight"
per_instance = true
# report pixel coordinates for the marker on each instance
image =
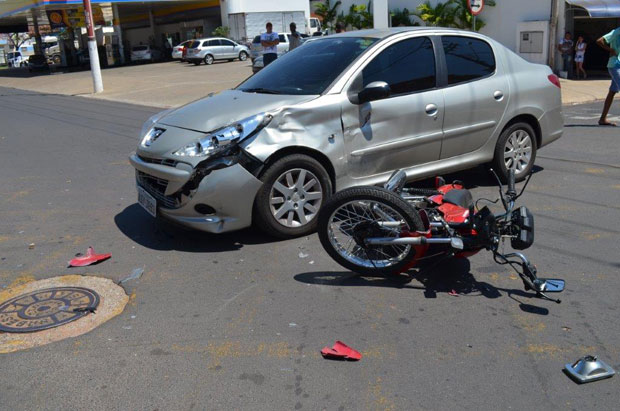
(219, 140)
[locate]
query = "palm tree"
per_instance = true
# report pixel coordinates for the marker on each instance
(442, 15)
(464, 17)
(327, 12)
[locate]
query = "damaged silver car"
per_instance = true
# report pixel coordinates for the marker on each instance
(339, 111)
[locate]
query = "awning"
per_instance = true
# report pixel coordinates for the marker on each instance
(598, 8)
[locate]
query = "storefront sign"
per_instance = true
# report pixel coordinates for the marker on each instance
(73, 17)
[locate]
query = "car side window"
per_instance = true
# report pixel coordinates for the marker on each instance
(407, 66)
(213, 43)
(227, 43)
(467, 58)
(282, 38)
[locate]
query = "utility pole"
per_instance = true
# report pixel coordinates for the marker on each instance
(553, 26)
(92, 48)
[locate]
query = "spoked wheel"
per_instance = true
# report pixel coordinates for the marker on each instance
(357, 213)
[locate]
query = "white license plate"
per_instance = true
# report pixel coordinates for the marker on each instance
(147, 201)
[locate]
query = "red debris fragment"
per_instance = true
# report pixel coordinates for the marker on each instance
(453, 293)
(341, 351)
(88, 259)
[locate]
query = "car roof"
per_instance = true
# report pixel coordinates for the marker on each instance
(383, 33)
(213, 38)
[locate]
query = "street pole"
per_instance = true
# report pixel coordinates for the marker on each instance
(92, 48)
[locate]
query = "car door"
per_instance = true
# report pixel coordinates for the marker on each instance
(228, 49)
(476, 94)
(404, 129)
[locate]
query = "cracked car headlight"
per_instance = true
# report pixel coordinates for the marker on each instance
(219, 140)
(147, 127)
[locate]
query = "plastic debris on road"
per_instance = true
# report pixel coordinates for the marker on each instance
(341, 351)
(135, 274)
(302, 254)
(588, 369)
(91, 257)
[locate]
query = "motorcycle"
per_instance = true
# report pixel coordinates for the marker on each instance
(386, 231)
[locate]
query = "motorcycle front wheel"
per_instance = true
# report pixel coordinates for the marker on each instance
(361, 212)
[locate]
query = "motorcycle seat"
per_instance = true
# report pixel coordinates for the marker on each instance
(461, 198)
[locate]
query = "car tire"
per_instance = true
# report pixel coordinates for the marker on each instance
(515, 148)
(291, 211)
(243, 56)
(208, 59)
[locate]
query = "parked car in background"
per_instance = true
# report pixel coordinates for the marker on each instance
(215, 48)
(341, 111)
(15, 59)
(145, 53)
(38, 62)
(258, 64)
(177, 51)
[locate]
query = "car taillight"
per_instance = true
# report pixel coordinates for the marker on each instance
(555, 80)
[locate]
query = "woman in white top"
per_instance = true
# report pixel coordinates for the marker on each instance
(580, 52)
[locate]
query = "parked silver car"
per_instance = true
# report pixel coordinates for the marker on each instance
(177, 51)
(145, 53)
(345, 110)
(216, 48)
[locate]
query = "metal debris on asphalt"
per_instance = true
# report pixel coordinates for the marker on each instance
(302, 254)
(135, 274)
(588, 369)
(91, 257)
(341, 351)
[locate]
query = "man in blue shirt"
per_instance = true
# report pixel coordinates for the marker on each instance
(269, 41)
(611, 43)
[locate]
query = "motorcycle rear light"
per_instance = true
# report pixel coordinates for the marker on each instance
(555, 80)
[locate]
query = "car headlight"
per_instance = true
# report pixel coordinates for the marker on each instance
(148, 124)
(219, 140)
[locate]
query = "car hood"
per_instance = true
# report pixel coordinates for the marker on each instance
(227, 107)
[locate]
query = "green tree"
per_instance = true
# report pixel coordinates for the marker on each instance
(442, 15)
(401, 18)
(221, 31)
(327, 12)
(464, 18)
(360, 16)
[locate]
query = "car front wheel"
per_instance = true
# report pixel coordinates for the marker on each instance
(515, 149)
(294, 188)
(243, 56)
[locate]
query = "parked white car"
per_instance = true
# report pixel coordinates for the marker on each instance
(15, 59)
(257, 48)
(215, 48)
(145, 53)
(177, 51)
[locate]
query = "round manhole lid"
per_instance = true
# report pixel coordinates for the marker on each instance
(47, 308)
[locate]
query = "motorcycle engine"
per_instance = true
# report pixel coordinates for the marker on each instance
(523, 219)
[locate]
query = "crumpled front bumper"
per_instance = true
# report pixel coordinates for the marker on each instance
(230, 191)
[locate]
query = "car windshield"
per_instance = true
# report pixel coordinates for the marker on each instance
(308, 70)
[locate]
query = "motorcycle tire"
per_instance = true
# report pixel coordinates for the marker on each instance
(353, 206)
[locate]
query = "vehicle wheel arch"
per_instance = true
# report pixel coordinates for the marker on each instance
(310, 152)
(529, 119)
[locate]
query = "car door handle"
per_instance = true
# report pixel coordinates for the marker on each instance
(431, 110)
(498, 95)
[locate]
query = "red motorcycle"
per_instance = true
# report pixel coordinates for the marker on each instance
(385, 231)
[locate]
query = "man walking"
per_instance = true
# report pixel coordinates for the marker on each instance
(611, 43)
(295, 40)
(566, 48)
(269, 41)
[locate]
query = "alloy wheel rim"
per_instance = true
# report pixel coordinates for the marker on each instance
(243, 57)
(341, 227)
(295, 198)
(209, 60)
(518, 151)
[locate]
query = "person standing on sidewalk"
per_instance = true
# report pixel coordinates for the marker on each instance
(611, 43)
(269, 41)
(566, 48)
(295, 40)
(580, 53)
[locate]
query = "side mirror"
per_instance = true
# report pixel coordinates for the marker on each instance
(377, 90)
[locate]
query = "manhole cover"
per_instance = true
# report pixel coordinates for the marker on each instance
(48, 308)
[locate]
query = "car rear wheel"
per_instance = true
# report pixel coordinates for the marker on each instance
(243, 56)
(515, 149)
(208, 59)
(288, 203)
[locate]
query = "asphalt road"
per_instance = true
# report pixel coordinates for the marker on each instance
(236, 321)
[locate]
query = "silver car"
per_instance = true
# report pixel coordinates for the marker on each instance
(282, 47)
(216, 48)
(345, 110)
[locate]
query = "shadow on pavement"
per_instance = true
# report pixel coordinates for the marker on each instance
(451, 276)
(159, 234)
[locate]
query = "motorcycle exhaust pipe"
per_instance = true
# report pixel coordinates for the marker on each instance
(454, 242)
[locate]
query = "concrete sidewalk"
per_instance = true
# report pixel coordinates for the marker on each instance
(173, 84)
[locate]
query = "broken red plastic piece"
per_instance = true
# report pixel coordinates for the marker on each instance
(341, 351)
(88, 259)
(453, 293)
